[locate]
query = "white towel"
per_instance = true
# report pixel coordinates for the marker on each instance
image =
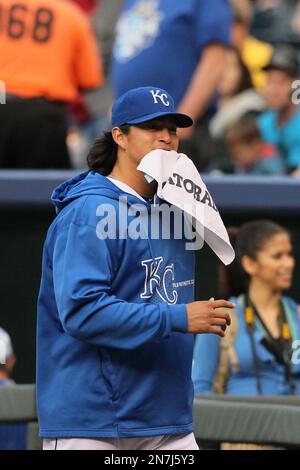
(179, 183)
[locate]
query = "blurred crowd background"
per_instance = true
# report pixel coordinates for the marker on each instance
(231, 64)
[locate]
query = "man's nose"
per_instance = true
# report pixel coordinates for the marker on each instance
(165, 135)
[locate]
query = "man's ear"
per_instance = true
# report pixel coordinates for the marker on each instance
(249, 265)
(119, 137)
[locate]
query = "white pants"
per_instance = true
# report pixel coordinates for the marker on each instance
(176, 442)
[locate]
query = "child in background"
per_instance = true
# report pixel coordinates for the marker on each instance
(248, 153)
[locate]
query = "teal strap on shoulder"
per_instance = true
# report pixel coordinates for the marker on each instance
(291, 311)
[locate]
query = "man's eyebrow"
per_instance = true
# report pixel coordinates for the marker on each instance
(163, 124)
(157, 124)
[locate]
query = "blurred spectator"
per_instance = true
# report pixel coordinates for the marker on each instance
(178, 46)
(78, 108)
(12, 436)
(87, 5)
(255, 53)
(48, 53)
(255, 357)
(88, 125)
(249, 154)
(280, 126)
(99, 101)
(277, 21)
(9, 359)
(237, 97)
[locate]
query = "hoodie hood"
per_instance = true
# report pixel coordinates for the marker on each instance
(87, 183)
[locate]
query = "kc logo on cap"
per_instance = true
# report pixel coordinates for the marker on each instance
(162, 96)
(144, 104)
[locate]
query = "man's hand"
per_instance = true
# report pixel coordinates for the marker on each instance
(209, 316)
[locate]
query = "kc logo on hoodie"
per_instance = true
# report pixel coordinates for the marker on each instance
(158, 281)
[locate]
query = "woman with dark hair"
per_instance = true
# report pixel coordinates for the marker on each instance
(256, 358)
(237, 96)
(236, 76)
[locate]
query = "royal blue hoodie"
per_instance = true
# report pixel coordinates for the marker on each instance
(113, 353)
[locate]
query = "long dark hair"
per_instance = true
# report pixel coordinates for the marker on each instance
(103, 153)
(246, 81)
(246, 240)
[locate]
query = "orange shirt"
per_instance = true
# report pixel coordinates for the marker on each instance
(47, 48)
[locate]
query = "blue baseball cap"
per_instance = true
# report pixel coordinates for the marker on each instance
(144, 104)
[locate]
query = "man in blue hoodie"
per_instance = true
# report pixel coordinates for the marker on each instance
(116, 315)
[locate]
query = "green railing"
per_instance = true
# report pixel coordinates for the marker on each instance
(261, 420)
(218, 418)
